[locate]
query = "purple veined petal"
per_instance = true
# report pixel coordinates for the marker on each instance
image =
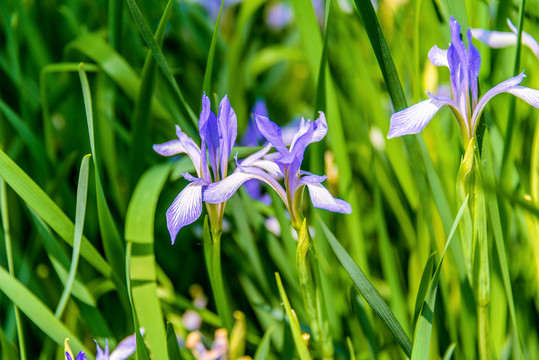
(322, 198)
(102, 355)
(272, 132)
(474, 60)
(527, 39)
(300, 143)
(186, 208)
(209, 136)
(228, 131)
(438, 57)
(223, 190)
(320, 127)
(494, 39)
(413, 119)
(191, 149)
(304, 126)
(126, 347)
(504, 86)
(170, 148)
(531, 96)
(269, 166)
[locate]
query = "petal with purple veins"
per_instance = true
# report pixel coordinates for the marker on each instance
(438, 57)
(185, 209)
(125, 348)
(272, 132)
(170, 148)
(322, 198)
(209, 136)
(228, 131)
(413, 119)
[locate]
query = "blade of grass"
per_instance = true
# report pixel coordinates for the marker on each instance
(206, 84)
(38, 313)
(173, 347)
(423, 330)
(139, 230)
(82, 192)
(301, 348)
(262, 351)
(141, 115)
(369, 292)
(161, 61)
(112, 243)
(47, 209)
(9, 254)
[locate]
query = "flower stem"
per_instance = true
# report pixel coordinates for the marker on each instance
(312, 297)
(221, 300)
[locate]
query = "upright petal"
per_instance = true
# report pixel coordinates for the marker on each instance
(438, 57)
(125, 348)
(320, 127)
(413, 119)
(474, 60)
(272, 132)
(228, 131)
(81, 356)
(209, 136)
(223, 190)
(186, 208)
(502, 87)
(300, 143)
(322, 198)
(102, 355)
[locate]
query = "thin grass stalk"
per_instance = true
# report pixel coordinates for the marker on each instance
(11, 268)
(223, 308)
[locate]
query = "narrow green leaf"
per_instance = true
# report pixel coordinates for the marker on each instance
(206, 84)
(47, 209)
(38, 313)
(449, 352)
(301, 348)
(112, 243)
(139, 230)
(141, 115)
(365, 323)
(82, 192)
(369, 292)
(423, 288)
(173, 348)
(8, 350)
(262, 351)
(423, 330)
(161, 61)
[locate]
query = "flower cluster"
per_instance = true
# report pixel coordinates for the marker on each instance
(218, 134)
(465, 105)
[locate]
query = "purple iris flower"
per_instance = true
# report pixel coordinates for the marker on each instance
(80, 356)
(285, 163)
(217, 134)
(124, 349)
(463, 67)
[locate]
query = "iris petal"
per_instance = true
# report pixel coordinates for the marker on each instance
(170, 148)
(322, 198)
(228, 131)
(185, 208)
(125, 348)
(438, 57)
(413, 119)
(272, 132)
(209, 136)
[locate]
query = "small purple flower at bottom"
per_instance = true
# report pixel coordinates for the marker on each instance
(465, 105)
(284, 164)
(125, 348)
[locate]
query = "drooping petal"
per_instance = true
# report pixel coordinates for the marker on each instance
(320, 127)
(494, 39)
(531, 96)
(126, 347)
(186, 208)
(413, 119)
(209, 136)
(223, 190)
(191, 149)
(228, 131)
(170, 148)
(438, 57)
(527, 39)
(272, 132)
(322, 198)
(474, 60)
(256, 156)
(502, 87)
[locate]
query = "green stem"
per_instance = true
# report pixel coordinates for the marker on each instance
(221, 300)
(11, 268)
(311, 294)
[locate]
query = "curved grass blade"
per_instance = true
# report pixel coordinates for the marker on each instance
(262, 351)
(38, 313)
(139, 230)
(82, 192)
(173, 347)
(161, 61)
(449, 352)
(423, 330)
(369, 292)
(47, 209)
(303, 352)
(112, 242)
(206, 84)
(7, 237)
(423, 288)
(141, 115)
